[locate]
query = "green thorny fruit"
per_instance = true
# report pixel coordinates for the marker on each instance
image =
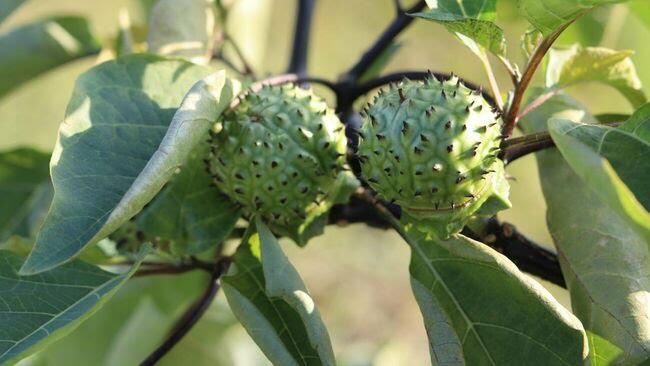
(280, 154)
(431, 147)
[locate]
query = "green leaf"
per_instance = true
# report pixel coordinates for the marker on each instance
(476, 9)
(549, 15)
(117, 147)
(478, 308)
(597, 154)
(268, 297)
(604, 261)
(639, 123)
(144, 309)
(24, 185)
(183, 28)
(32, 49)
(484, 32)
(9, 6)
(190, 211)
(37, 310)
(575, 64)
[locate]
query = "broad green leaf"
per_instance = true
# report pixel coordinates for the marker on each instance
(477, 9)
(484, 32)
(575, 64)
(9, 6)
(639, 124)
(24, 184)
(37, 310)
(144, 309)
(613, 163)
(32, 49)
(469, 20)
(269, 299)
(549, 15)
(604, 261)
(478, 308)
(117, 147)
(183, 28)
(190, 211)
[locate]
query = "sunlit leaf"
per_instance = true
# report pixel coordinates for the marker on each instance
(575, 64)
(549, 15)
(478, 308)
(190, 211)
(37, 310)
(604, 260)
(267, 295)
(639, 123)
(472, 19)
(118, 146)
(130, 325)
(612, 162)
(34, 48)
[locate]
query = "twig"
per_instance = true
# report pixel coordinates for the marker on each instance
(535, 60)
(526, 254)
(494, 86)
(248, 70)
(190, 317)
(539, 101)
(401, 21)
(150, 269)
(514, 148)
(300, 50)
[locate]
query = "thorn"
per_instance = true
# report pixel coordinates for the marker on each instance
(402, 98)
(380, 136)
(423, 138)
(450, 148)
(448, 125)
(417, 150)
(417, 193)
(443, 95)
(434, 189)
(373, 180)
(239, 176)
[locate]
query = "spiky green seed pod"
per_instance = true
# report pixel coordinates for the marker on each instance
(431, 147)
(280, 154)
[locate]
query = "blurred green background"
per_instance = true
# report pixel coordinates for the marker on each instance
(358, 276)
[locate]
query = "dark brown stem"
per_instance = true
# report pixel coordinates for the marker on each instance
(401, 21)
(514, 148)
(512, 116)
(149, 269)
(190, 317)
(248, 70)
(527, 255)
(298, 62)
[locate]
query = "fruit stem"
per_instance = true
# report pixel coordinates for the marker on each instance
(512, 116)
